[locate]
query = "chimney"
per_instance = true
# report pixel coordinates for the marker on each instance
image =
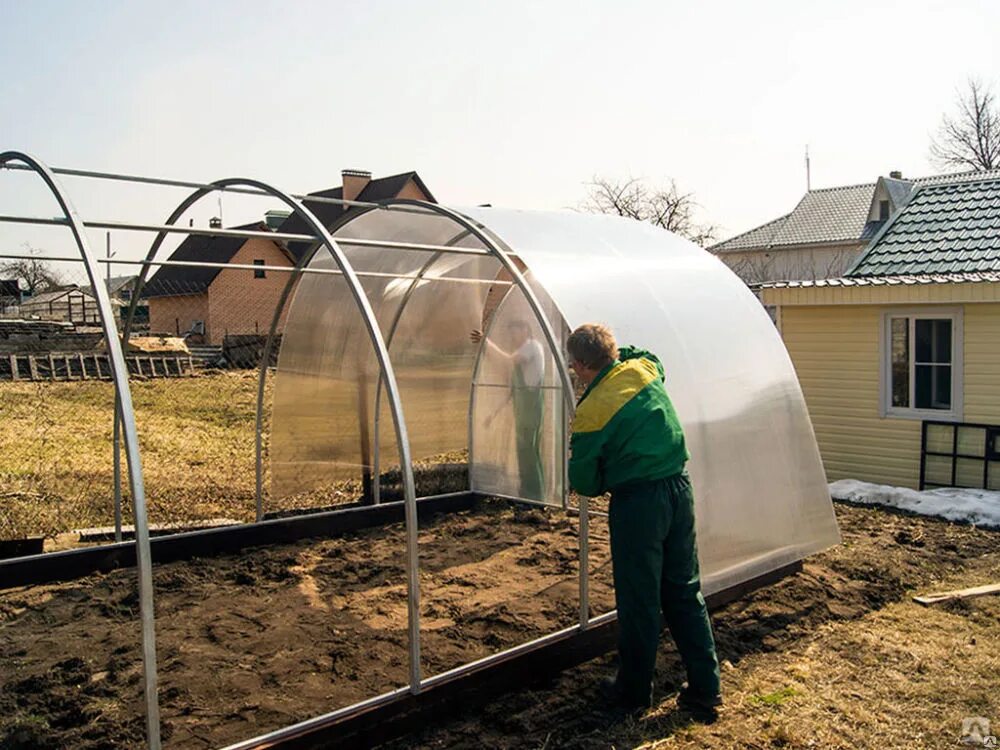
(355, 181)
(896, 174)
(215, 223)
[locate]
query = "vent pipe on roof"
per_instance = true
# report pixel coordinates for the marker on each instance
(896, 174)
(355, 181)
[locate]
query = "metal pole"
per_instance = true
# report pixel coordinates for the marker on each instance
(377, 458)
(206, 187)
(505, 260)
(390, 334)
(584, 561)
(116, 441)
(119, 373)
(474, 385)
(564, 454)
(246, 233)
(116, 446)
(396, 406)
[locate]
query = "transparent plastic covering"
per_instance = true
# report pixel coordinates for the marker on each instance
(324, 426)
(518, 444)
(761, 493)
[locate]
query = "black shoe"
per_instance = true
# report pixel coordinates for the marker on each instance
(612, 692)
(702, 707)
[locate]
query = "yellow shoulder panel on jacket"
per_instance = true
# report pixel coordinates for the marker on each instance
(614, 391)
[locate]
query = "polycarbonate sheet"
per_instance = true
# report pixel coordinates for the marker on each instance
(761, 494)
(328, 375)
(518, 417)
(327, 369)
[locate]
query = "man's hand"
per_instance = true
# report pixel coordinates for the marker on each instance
(476, 336)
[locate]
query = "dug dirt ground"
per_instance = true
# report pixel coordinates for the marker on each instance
(835, 656)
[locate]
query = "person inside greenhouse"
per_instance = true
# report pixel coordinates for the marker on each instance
(627, 440)
(527, 361)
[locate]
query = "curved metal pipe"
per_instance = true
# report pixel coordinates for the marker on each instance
(395, 404)
(518, 278)
(124, 408)
(381, 353)
(265, 359)
(272, 333)
(389, 336)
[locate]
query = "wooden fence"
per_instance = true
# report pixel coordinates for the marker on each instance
(91, 366)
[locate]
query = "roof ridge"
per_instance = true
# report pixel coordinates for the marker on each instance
(410, 173)
(970, 175)
(841, 187)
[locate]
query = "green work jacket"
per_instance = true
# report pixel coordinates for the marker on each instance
(625, 429)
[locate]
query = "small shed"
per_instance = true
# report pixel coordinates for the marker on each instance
(71, 305)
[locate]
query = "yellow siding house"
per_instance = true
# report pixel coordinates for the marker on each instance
(910, 335)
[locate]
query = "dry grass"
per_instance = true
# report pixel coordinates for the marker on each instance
(197, 443)
(56, 466)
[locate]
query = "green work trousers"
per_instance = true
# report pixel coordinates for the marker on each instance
(655, 558)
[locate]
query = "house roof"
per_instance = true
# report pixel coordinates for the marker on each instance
(838, 214)
(823, 216)
(380, 189)
(757, 237)
(170, 280)
(114, 285)
(43, 298)
(905, 279)
(945, 228)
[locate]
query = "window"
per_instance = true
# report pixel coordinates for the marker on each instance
(258, 273)
(883, 210)
(922, 367)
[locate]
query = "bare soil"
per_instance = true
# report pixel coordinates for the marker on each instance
(249, 643)
(836, 656)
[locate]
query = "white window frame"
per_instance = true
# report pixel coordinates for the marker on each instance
(886, 409)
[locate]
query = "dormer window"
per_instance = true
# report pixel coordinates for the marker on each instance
(883, 210)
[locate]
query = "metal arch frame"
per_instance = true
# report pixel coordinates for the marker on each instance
(469, 228)
(265, 359)
(279, 309)
(124, 411)
(500, 254)
(381, 353)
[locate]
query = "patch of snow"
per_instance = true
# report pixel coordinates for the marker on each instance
(978, 507)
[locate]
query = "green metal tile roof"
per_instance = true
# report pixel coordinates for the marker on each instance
(944, 229)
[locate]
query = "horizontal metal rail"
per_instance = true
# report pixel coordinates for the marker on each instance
(247, 233)
(250, 267)
(551, 506)
(164, 182)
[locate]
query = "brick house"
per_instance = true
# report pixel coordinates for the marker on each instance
(212, 303)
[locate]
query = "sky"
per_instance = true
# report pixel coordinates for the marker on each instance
(516, 104)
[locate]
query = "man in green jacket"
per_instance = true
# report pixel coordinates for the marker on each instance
(627, 440)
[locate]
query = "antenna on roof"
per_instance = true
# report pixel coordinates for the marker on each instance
(808, 180)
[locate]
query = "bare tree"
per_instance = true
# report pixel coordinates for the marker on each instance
(969, 139)
(665, 207)
(36, 274)
(753, 268)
